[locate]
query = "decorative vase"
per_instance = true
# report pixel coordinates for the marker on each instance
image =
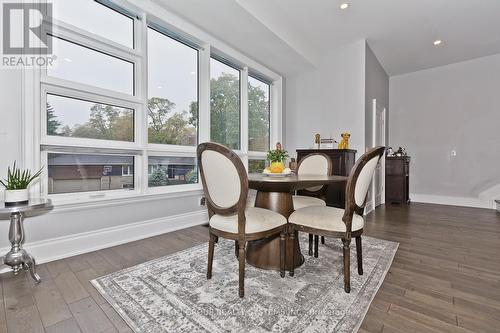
(277, 167)
(16, 197)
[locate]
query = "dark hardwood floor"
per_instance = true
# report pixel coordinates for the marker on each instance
(445, 277)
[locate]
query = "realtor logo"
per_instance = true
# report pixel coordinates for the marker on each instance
(22, 29)
(26, 40)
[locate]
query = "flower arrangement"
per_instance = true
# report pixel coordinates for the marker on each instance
(277, 159)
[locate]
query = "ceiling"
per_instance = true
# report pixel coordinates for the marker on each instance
(291, 35)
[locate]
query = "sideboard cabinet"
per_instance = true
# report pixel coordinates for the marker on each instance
(397, 180)
(342, 160)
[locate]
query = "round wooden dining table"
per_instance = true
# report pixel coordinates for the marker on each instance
(275, 193)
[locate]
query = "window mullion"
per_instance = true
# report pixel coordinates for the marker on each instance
(276, 112)
(244, 109)
(142, 117)
(204, 94)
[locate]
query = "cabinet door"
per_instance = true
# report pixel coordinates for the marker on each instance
(394, 167)
(395, 188)
(337, 164)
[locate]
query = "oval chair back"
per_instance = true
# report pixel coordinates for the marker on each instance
(224, 179)
(315, 164)
(358, 183)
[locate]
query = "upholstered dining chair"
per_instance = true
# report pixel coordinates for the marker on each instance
(225, 185)
(342, 223)
(313, 164)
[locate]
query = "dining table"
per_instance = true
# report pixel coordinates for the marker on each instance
(276, 193)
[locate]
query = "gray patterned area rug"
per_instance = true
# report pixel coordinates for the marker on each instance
(172, 294)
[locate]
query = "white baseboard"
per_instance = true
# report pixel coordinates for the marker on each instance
(72, 245)
(452, 201)
(368, 208)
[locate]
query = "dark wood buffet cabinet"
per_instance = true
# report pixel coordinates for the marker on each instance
(343, 160)
(397, 179)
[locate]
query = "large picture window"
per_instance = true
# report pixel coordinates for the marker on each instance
(128, 99)
(170, 170)
(72, 117)
(82, 64)
(224, 104)
(259, 112)
(105, 21)
(172, 91)
(69, 173)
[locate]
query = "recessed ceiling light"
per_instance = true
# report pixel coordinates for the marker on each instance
(438, 42)
(344, 6)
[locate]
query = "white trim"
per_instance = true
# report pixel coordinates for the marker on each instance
(373, 201)
(244, 109)
(368, 208)
(276, 112)
(452, 201)
(71, 206)
(67, 246)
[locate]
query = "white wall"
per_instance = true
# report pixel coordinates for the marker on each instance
(377, 87)
(328, 100)
(10, 119)
(453, 107)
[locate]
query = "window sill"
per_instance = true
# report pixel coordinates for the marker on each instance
(82, 203)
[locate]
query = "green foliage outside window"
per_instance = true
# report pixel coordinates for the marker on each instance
(179, 128)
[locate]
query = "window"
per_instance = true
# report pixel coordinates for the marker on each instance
(81, 64)
(256, 166)
(167, 170)
(259, 111)
(127, 170)
(224, 104)
(69, 173)
(105, 21)
(172, 91)
(72, 117)
(122, 109)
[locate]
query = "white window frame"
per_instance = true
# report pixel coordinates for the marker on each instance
(129, 169)
(37, 84)
(259, 155)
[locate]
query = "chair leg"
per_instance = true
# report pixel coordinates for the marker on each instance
(311, 244)
(292, 241)
(211, 242)
(282, 253)
(347, 263)
(241, 257)
(322, 239)
(316, 241)
(359, 252)
(236, 248)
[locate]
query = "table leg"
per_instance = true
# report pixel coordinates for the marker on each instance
(30, 265)
(17, 258)
(265, 253)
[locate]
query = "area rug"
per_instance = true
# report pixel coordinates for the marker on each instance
(172, 294)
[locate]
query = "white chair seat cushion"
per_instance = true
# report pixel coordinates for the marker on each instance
(301, 201)
(324, 218)
(257, 220)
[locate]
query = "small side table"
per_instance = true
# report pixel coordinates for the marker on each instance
(17, 257)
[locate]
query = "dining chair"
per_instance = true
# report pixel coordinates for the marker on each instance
(342, 223)
(225, 186)
(313, 164)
